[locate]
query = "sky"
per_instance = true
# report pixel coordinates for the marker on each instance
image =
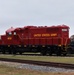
(20, 13)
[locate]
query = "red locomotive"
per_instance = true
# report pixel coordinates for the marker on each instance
(46, 40)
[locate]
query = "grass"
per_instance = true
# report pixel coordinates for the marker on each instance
(5, 70)
(41, 58)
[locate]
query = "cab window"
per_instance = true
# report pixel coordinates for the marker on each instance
(9, 34)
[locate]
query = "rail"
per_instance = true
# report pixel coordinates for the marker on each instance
(40, 63)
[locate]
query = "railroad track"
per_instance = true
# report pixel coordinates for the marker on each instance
(40, 63)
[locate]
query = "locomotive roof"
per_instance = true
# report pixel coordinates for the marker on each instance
(58, 26)
(33, 27)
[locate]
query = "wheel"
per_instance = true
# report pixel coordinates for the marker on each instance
(3, 52)
(64, 54)
(14, 52)
(20, 53)
(58, 53)
(9, 52)
(43, 52)
(50, 53)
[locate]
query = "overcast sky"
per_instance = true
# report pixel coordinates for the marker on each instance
(18, 13)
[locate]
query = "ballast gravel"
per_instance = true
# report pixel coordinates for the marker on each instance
(35, 67)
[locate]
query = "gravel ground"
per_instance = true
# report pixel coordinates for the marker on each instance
(35, 67)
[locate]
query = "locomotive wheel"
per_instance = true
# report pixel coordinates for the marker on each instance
(43, 52)
(70, 51)
(50, 52)
(3, 52)
(64, 54)
(20, 53)
(14, 52)
(58, 52)
(9, 52)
